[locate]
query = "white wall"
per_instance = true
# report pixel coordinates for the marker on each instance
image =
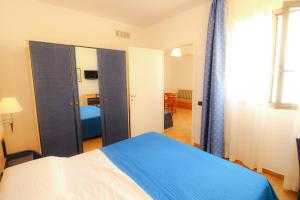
(178, 73)
(189, 27)
(21, 21)
(86, 59)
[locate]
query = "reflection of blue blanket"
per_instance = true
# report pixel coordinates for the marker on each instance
(90, 121)
(167, 169)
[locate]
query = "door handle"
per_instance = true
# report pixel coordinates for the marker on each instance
(71, 104)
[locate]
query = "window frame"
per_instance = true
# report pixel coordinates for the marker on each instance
(280, 80)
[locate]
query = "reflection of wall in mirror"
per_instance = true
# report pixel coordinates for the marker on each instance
(86, 59)
(178, 73)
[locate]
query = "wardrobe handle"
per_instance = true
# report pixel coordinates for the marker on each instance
(76, 103)
(71, 104)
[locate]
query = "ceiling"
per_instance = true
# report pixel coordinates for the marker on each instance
(136, 12)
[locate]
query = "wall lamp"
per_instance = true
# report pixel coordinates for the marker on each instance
(9, 106)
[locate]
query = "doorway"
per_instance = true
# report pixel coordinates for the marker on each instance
(178, 92)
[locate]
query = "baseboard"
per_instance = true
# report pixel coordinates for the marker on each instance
(277, 175)
(266, 171)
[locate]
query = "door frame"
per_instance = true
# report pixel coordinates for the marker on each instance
(195, 89)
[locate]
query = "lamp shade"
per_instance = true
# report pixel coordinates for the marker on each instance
(176, 52)
(9, 105)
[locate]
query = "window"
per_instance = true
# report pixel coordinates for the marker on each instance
(286, 77)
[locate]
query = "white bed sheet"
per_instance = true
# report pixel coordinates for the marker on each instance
(86, 176)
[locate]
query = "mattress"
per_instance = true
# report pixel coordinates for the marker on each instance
(86, 176)
(167, 169)
(90, 117)
(150, 166)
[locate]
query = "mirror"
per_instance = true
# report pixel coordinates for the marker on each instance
(88, 92)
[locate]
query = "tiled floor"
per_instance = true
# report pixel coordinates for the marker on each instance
(182, 131)
(182, 126)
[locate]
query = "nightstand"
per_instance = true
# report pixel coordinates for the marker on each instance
(16, 161)
(19, 157)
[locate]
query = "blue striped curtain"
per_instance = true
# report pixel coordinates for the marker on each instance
(212, 126)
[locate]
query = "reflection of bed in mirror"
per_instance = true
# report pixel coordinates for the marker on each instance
(90, 117)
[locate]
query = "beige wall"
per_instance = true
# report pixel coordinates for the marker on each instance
(21, 21)
(178, 73)
(86, 59)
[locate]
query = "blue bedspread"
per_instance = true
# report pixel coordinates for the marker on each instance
(167, 169)
(90, 121)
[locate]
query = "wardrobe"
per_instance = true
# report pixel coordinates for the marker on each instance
(57, 102)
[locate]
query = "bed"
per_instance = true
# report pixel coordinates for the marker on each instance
(150, 166)
(90, 117)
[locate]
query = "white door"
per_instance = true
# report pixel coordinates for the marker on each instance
(146, 67)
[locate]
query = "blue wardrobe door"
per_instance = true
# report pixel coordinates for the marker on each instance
(53, 76)
(113, 95)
